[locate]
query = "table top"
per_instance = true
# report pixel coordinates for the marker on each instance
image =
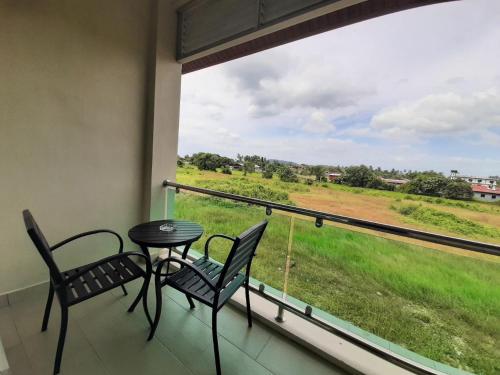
(149, 234)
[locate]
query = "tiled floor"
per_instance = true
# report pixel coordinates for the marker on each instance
(104, 339)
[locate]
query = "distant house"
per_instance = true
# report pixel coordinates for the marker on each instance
(236, 166)
(484, 193)
(489, 182)
(332, 177)
(394, 181)
(483, 181)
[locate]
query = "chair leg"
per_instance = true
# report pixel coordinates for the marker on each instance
(191, 303)
(158, 306)
(145, 300)
(48, 307)
(62, 338)
(216, 341)
(125, 293)
(249, 310)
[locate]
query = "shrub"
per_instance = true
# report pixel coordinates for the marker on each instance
(447, 221)
(408, 210)
(226, 170)
(242, 186)
(267, 173)
(286, 175)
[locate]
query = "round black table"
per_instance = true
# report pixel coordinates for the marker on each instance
(149, 235)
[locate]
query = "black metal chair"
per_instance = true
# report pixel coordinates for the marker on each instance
(79, 284)
(210, 283)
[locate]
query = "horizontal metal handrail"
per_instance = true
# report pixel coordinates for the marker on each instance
(462, 243)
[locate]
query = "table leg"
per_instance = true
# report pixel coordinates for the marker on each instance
(145, 251)
(186, 250)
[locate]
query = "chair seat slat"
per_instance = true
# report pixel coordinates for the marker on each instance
(121, 269)
(89, 279)
(100, 276)
(113, 274)
(79, 288)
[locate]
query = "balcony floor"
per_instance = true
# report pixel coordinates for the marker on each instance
(104, 339)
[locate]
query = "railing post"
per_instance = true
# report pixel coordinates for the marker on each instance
(279, 316)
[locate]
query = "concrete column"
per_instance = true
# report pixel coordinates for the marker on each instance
(162, 131)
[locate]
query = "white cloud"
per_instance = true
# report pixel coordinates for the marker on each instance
(319, 123)
(449, 114)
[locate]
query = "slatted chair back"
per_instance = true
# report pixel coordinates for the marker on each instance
(241, 254)
(42, 246)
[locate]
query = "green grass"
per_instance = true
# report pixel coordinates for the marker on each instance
(449, 221)
(443, 306)
(475, 206)
(246, 187)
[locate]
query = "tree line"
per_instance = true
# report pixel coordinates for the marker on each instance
(424, 183)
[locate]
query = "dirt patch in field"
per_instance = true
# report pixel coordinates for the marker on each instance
(349, 204)
(374, 209)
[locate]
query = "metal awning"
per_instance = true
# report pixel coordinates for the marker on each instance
(215, 31)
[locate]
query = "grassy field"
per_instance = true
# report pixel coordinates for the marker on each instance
(442, 306)
(470, 219)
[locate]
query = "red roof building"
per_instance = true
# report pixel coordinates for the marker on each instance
(485, 193)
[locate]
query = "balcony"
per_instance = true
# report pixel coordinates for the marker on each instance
(307, 321)
(89, 106)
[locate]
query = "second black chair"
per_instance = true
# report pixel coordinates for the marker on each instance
(209, 282)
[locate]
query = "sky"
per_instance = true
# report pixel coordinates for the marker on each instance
(414, 90)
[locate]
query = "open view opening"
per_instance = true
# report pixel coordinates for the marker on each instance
(395, 121)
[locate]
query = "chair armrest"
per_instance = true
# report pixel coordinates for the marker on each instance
(216, 236)
(91, 266)
(84, 234)
(191, 266)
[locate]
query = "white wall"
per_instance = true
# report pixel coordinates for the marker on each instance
(74, 144)
(487, 197)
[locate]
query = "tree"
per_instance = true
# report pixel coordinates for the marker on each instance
(318, 171)
(358, 176)
(248, 167)
(208, 162)
(256, 160)
(427, 184)
(286, 175)
(457, 190)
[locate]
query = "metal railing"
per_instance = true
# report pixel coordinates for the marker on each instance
(306, 314)
(462, 243)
